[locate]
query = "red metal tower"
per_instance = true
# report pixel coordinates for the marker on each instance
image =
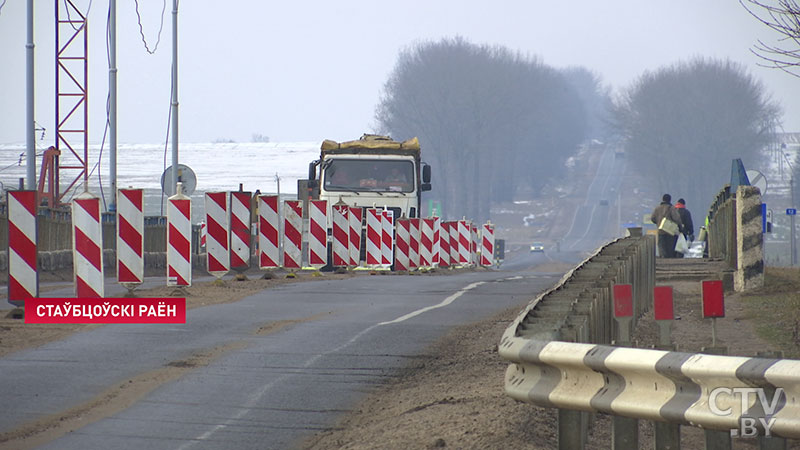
(72, 100)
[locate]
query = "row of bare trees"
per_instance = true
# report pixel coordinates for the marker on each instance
(491, 121)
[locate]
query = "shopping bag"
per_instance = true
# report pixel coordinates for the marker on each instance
(681, 246)
(668, 226)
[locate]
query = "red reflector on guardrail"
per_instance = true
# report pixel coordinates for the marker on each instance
(623, 300)
(713, 299)
(662, 303)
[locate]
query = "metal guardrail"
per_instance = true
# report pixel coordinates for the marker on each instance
(578, 308)
(683, 388)
(722, 227)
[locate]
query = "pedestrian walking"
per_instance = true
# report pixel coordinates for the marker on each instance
(667, 231)
(686, 221)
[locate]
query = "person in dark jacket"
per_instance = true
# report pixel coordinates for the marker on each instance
(686, 220)
(666, 241)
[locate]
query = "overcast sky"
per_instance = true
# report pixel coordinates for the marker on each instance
(311, 70)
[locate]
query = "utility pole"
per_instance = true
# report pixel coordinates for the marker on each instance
(174, 93)
(30, 127)
(112, 101)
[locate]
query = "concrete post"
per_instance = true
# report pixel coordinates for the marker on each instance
(749, 240)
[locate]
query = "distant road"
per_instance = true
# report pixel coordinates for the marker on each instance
(593, 223)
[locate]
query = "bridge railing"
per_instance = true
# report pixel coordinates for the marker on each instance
(735, 235)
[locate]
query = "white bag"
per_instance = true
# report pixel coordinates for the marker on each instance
(668, 226)
(681, 246)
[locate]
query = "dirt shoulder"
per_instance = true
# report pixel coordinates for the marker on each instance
(454, 398)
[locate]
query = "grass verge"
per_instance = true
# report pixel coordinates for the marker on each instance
(775, 309)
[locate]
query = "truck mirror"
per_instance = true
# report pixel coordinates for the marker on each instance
(425, 187)
(312, 170)
(426, 174)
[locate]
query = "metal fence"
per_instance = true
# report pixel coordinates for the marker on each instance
(722, 228)
(55, 232)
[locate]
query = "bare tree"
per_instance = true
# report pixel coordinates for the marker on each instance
(683, 123)
(783, 16)
(488, 118)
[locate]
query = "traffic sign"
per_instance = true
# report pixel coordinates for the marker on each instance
(185, 175)
(791, 211)
(758, 180)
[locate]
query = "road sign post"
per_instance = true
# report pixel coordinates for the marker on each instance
(791, 212)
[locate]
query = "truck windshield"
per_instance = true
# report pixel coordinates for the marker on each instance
(368, 175)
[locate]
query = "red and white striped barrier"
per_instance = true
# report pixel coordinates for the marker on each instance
(387, 238)
(355, 235)
(437, 233)
(474, 244)
(268, 220)
(23, 276)
(464, 242)
(426, 242)
(454, 251)
(87, 245)
(413, 254)
(179, 244)
(217, 235)
(292, 234)
(374, 236)
(340, 244)
(317, 233)
(130, 237)
(203, 234)
(487, 245)
(240, 231)
(402, 246)
(444, 243)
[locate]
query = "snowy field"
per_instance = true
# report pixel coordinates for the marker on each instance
(218, 167)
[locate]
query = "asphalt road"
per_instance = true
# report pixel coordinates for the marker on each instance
(267, 390)
(285, 363)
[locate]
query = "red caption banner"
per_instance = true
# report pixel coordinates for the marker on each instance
(105, 310)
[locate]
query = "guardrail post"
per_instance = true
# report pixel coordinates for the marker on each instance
(625, 431)
(568, 422)
(717, 440)
(667, 436)
(771, 442)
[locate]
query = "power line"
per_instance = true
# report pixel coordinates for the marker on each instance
(141, 30)
(1, 5)
(166, 141)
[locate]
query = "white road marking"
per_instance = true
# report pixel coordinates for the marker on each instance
(254, 399)
(444, 303)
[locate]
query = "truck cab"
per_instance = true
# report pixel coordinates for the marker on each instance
(373, 171)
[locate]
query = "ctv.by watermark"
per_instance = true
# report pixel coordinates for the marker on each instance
(749, 425)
